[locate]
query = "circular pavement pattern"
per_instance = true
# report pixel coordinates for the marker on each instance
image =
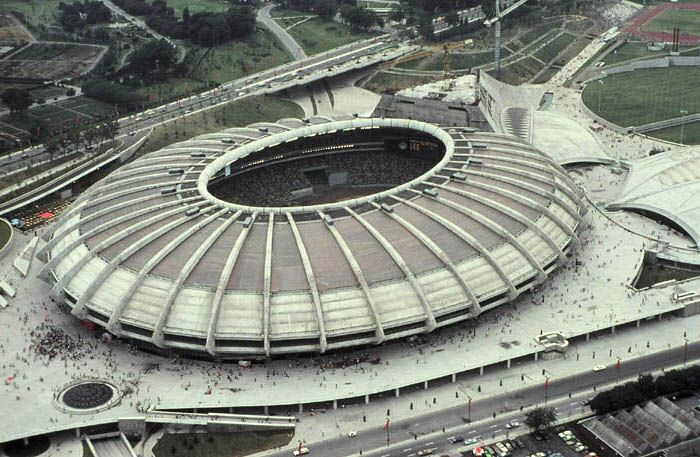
(151, 254)
(89, 395)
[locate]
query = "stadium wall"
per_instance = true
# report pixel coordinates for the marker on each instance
(4, 247)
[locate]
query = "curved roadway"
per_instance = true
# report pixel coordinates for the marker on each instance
(285, 38)
(505, 407)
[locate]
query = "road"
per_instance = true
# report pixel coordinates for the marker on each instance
(506, 407)
(182, 51)
(285, 38)
(330, 63)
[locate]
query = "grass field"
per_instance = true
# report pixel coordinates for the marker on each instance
(519, 72)
(199, 6)
(35, 12)
(553, 49)
(643, 96)
(235, 114)
(219, 444)
(318, 35)
(5, 232)
(631, 51)
(691, 133)
(687, 20)
(233, 60)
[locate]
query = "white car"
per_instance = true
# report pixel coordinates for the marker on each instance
(513, 424)
(471, 441)
(300, 451)
(352, 434)
(599, 368)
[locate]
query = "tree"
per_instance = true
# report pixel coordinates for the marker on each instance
(152, 57)
(186, 15)
(18, 100)
(540, 419)
(426, 27)
(327, 9)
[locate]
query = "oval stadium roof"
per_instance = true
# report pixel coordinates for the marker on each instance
(150, 255)
(666, 184)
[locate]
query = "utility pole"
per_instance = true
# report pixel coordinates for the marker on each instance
(497, 42)
(469, 410)
(684, 113)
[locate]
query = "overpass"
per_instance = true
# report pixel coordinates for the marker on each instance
(335, 62)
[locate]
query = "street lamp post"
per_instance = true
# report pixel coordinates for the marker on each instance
(684, 113)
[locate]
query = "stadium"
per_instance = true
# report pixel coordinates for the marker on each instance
(312, 235)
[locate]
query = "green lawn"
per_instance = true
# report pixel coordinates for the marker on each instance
(631, 51)
(687, 20)
(198, 6)
(5, 232)
(283, 12)
(171, 89)
(318, 35)
(235, 114)
(519, 72)
(235, 59)
(553, 49)
(542, 30)
(644, 96)
(219, 444)
(691, 133)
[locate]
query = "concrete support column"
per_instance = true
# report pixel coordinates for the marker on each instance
(454, 378)
(335, 404)
(481, 370)
(266, 410)
(588, 336)
(396, 392)
(639, 322)
(537, 355)
(425, 385)
(659, 317)
(366, 399)
(230, 410)
(77, 432)
(25, 440)
(612, 330)
(301, 408)
(508, 363)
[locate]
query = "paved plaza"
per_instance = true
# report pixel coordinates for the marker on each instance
(590, 300)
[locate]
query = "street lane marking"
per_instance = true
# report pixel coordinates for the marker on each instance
(430, 443)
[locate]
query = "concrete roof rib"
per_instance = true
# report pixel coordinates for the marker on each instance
(149, 253)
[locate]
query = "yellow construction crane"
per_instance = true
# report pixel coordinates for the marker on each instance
(446, 70)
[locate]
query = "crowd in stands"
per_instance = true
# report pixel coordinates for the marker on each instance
(274, 184)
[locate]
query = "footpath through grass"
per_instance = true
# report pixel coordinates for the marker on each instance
(236, 59)
(317, 35)
(644, 96)
(235, 114)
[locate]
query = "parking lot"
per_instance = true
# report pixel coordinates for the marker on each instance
(562, 441)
